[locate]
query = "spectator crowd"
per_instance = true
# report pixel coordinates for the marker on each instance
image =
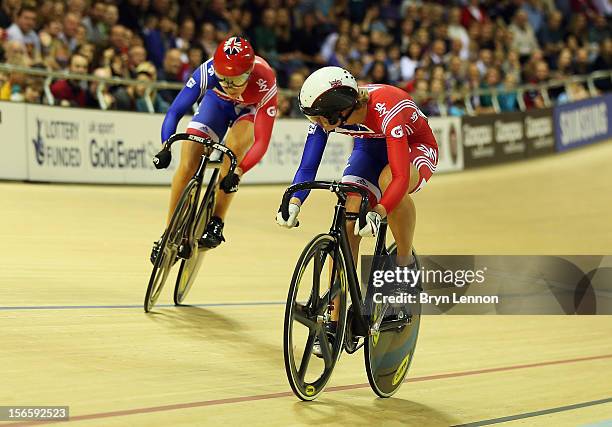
(438, 51)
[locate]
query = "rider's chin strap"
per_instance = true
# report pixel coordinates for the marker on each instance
(344, 118)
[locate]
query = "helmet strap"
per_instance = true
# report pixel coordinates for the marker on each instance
(344, 118)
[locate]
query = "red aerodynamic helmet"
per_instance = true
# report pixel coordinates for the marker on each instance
(234, 56)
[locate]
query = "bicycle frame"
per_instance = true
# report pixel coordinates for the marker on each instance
(339, 233)
(164, 157)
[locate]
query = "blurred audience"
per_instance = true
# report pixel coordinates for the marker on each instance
(438, 51)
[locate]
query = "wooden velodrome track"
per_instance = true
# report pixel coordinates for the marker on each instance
(74, 265)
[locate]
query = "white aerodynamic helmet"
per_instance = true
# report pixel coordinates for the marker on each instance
(327, 92)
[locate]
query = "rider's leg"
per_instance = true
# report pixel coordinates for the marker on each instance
(352, 205)
(211, 120)
(239, 139)
(190, 160)
(402, 220)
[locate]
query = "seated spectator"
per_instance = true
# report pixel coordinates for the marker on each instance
(208, 39)
(411, 62)
(195, 57)
(473, 13)
(378, 73)
(563, 66)
(265, 38)
(284, 107)
(393, 64)
(491, 81)
(15, 54)
(456, 74)
(524, 40)
(308, 39)
(171, 73)
(69, 92)
(508, 97)
(533, 98)
(146, 73)
(5, 87)
(600, 30)
(22, 31)
(552, 34)
(603, 62)
(340, 55)
(111, 16)
(296, 80)
(438, 50)
(8, 9)
(574, 92)
(330, 42)
(136, 56)
(158, 37)
(94, 23)
(55, 51)
(535, 14)
(185, 37)
(33, 90)
(582, 64)
(71, 24)
(456, 31)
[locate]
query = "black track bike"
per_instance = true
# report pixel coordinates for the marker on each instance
(180, 239)
(325, 276)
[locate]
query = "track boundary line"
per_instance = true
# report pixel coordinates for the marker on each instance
(251, 398)
(535, 413)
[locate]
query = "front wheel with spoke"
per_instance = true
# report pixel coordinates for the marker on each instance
(170, 244)
(309, 310)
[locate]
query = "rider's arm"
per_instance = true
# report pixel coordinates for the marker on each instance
(311, 158)
(194, 88)
(399, 163)
(263, 124)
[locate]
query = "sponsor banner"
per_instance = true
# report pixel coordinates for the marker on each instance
(76, 145)
(583, 122)
(479, 141)
(539, 132)
(285, 153)
(447, 131)
(13, 161)
(509, 136)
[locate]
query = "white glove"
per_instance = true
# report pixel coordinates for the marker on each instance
(371, 227)
(294, 210)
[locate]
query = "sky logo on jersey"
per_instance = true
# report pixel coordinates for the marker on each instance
(233, 46)
(381, 108)
(263, 85)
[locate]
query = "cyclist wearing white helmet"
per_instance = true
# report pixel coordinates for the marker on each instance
(395, 152)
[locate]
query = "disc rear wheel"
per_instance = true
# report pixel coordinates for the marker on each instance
(390, 347)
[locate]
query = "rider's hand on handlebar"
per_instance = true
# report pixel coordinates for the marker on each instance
(371, 227)
(294, 210)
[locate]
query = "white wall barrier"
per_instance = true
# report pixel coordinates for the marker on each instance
(13, 156)
(90, 146)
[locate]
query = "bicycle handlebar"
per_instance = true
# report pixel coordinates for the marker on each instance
(341, 189)
(164, 157)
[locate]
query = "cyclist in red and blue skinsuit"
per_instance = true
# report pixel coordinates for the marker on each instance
(234, 90)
